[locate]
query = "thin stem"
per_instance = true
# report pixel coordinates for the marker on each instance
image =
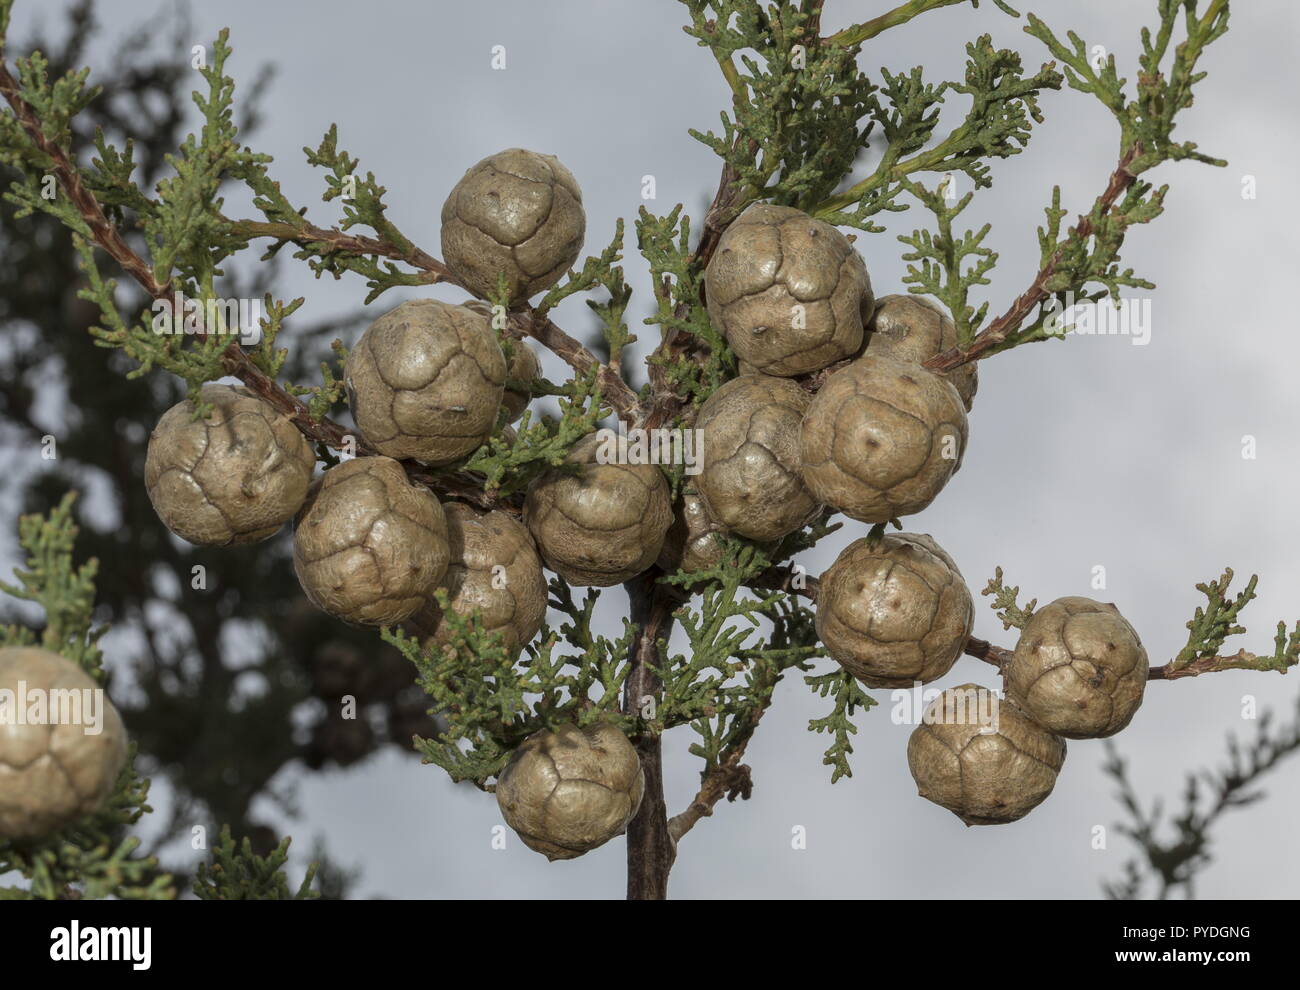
(858, 33)
(991, 337)
(525, 322)
(778, 579)
(650, 848)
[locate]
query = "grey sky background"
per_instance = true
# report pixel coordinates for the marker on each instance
(1088, 452)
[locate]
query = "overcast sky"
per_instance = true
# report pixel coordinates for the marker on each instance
(1089, 452)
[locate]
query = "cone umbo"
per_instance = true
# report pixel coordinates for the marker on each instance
(982, 758)
(568, 791)
(369, 547)
(516, 213)
(789, 292)
(426, 380)
(235, 476)
(894, 611)
(603, 524)
(54, 772)
(495, 571)
(881, 439)
(750, 478)
(1079, 669)
(690, 544)
(914, 328)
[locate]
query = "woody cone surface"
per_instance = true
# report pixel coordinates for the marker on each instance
(913, 328)
(789, 292)
(53, 774)
(523, 367)
(495, 571)
(691, 543)
(983, 777)
(426, 380)
(882, 438)
(518, 214)
(369, 546)
(235, 476)
(568, 791)
(750, 478)
(603, 525)
(895, 611)
(1079, 669)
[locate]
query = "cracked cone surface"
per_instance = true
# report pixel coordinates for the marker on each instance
(1079, 669)
(568, 791)
(750, 479)
(603, 525)
(369, 547)
(53, 774)
(494, 570)
(425, 381)
(986, 771)
(881, 439)
(895, 611)
(913, 328)
(516, 213)
(235, 476)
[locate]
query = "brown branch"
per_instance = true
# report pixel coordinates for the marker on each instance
(730, 779)
(1241, 660)
(982, 649)
(234, 358)
(524, 322)
(308, 235)
(104, 232)
(1009, 322)
(781, 579)
(651, 849)
(613, 388)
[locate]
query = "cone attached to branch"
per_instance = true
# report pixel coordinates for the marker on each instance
(598, 524)
(1079, 669)
(518, 215)
(982, 758)
(426, 380)
(894, 611)
(568, 791)
(494, 572)
(369, 547)
(789, 292)
(882, 438)
(234, 476)
(750, 478)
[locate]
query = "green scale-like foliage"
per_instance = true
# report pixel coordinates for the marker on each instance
(804, 114)
(94, 857)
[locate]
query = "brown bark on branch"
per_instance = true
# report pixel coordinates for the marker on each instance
(650, 848)
(307, 234)
(781, 579)
(730, 779)
(523, 323)
(234, 359)
(1009, 322)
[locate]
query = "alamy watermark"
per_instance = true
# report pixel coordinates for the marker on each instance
(91, 943)
(215, 317)
(653, 446)
(57, 706)
(1129, 317)
(959, 706)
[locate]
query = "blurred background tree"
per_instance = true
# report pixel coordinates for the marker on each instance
(223, 681)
